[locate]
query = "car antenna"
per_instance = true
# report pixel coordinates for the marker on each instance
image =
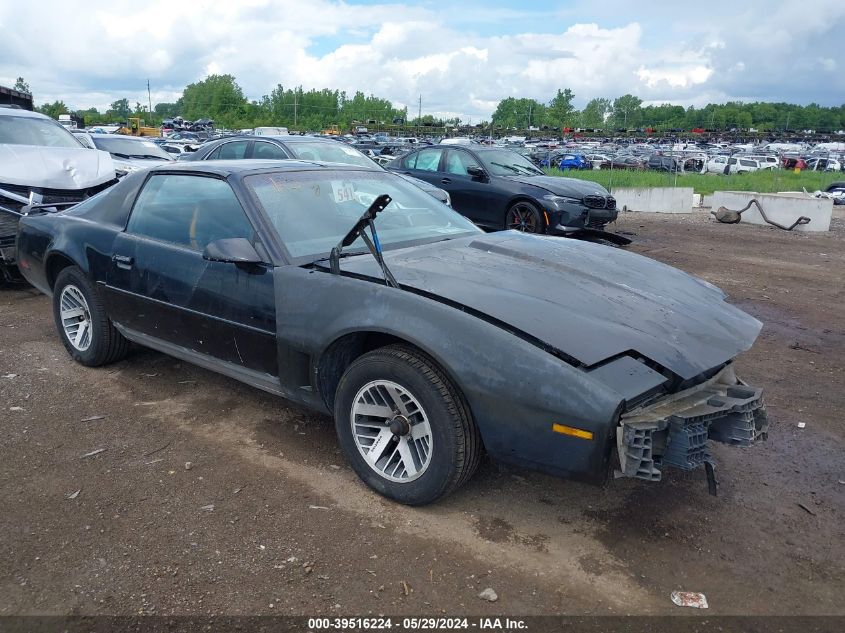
(374, 245)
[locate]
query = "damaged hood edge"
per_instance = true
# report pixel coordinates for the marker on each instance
(54, 167)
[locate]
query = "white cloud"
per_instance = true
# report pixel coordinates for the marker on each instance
(460, 67)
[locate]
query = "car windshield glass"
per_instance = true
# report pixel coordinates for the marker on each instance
(313, 210)
(18, 130)
(332, 152)
(503, 162)
(130, 148)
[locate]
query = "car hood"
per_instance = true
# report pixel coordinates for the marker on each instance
(571, 187)
(54, 167)
(591, 302)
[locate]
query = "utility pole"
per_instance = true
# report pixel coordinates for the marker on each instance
(150, 99)
(295, 92)
(787, 122)
(419, 116)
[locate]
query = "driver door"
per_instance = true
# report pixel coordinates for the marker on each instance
(160, 286)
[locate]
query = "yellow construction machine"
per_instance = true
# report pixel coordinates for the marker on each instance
(136, 127)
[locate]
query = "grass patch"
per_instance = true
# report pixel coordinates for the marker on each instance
(760, 181)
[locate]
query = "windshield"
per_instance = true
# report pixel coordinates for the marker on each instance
(130, 148)
(313, 210)
(18, 130)
(331, 151)
(504, 162)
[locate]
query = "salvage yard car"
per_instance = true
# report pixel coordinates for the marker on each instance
(501, 189)
(301, 147)
(41, 162)
(429, 340)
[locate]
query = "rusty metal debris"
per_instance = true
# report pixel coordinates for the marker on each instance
(728, 216)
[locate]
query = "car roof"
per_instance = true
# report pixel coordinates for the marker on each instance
(26, 114)
(227, 168)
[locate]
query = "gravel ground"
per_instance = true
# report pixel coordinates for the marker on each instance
(207, 496)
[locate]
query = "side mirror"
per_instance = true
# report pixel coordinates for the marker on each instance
(235, 250)
(476, 172)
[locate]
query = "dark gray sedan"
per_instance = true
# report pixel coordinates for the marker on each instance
(500, 189)
(298, 147)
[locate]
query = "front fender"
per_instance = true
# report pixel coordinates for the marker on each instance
(515, 390)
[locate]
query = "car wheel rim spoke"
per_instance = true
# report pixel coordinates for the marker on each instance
(75, 317)
(391, 431)
(522, 219)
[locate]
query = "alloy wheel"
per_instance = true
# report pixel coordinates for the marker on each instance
(522, 218)
(76, 317)
(391, 431)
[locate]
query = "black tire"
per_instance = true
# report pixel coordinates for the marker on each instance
(456, 443)
(107, 345)
(524, 216)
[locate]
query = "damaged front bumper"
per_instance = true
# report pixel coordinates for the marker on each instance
(674, 430)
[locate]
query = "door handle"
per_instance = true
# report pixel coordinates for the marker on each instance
(407, 173)
(445, 181)
(123, 261)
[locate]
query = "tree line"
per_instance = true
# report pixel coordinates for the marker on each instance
(220, 98)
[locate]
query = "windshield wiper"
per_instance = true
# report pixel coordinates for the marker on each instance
(529, 170)
(366, 220)
(511, 167)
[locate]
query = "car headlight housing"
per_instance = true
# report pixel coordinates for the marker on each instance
(561, 200)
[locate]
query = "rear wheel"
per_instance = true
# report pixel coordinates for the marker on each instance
(524, 216)
(404, 427)
(86, 332)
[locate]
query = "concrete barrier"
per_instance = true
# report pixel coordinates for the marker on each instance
(655, 199)
(783, 208)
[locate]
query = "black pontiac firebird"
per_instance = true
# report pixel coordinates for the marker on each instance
(429, 340)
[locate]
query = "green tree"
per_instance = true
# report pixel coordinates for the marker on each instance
(520, 113)
(595, 112)
(627, 111)
(216, 97)
(22, 86)
(166, 110)
(53, 110)
(120, 109)
(560, 108)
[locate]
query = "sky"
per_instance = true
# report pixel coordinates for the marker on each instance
(462, 57)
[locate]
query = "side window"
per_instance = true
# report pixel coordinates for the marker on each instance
(235, 150)
(457, 162)
(188, 210)
(410, 161)
(263, 149)
(429, 159)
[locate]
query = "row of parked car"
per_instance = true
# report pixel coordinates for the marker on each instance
(45, 166)
(683, 162)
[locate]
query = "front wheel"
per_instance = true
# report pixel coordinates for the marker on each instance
(524, 216)
(404, 427)
(85, 329)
